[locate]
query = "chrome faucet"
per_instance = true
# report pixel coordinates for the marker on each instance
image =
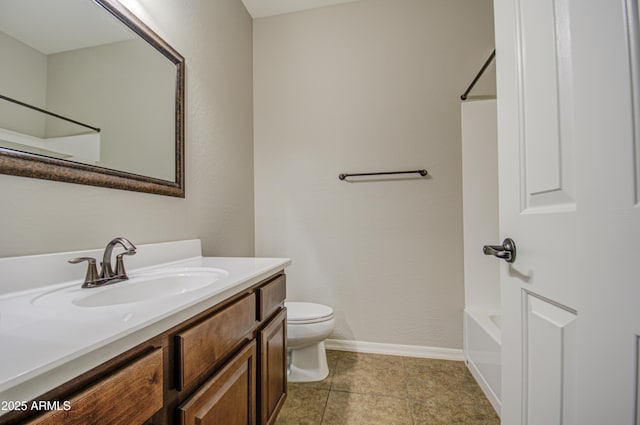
(107, 275)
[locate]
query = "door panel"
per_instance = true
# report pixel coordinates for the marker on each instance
(547, 151)
(569, 191)
(633, 31)
(549, 358)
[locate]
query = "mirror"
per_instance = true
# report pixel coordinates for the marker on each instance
(90, 95)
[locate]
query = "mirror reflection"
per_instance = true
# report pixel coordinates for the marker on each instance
(78, 85)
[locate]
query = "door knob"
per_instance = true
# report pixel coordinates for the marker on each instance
(506, 251)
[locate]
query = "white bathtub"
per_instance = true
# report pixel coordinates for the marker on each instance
(482, 351)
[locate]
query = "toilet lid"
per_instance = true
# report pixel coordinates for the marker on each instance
(300, 312)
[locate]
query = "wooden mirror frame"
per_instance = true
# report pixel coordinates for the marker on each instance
(41, 167)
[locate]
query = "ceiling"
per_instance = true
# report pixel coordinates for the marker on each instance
(81, 23)
(262, 8)
(56, 26)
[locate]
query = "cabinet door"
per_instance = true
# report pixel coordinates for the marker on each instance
(273, 368)
(227, 398)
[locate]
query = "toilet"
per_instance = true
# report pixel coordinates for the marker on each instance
(308, 325)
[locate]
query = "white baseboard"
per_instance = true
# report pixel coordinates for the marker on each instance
(395, 349)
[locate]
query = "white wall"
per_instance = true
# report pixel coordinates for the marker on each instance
(41, 216)
(367, 86)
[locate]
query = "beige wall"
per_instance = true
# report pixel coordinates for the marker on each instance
(40, 216)
(367, 86)
(24, 78)
(125, 88)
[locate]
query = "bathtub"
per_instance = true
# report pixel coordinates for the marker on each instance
(482, 351)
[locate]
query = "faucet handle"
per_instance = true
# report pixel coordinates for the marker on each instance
(120, 271)
(91, 278)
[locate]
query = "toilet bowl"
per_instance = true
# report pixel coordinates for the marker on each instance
(308, 325)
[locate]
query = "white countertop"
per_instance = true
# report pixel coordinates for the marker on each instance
(47, 344)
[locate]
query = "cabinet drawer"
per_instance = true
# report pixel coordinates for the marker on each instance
(129, 396)
(271, 297)
(228, 397)
(203, 345)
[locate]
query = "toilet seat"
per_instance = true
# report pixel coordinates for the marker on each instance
(300, 313)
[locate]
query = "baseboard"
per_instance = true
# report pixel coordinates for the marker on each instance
(395, 349)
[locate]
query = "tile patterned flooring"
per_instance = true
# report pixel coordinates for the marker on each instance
(374, 389)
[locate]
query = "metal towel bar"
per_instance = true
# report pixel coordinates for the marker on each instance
(422, 172)
(35, 108)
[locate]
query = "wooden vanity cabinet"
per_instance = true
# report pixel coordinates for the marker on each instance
(271, 297)
(203, 345)
(224, 366)
(251, 387)
(273, 367)
(129, 396)
(229, 397)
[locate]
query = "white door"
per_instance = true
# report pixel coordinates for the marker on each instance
(569, 177)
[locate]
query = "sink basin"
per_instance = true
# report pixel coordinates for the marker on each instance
(141, 287)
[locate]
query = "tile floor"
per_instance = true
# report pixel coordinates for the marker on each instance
(374, 389)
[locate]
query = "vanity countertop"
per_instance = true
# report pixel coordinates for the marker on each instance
(47, 344)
